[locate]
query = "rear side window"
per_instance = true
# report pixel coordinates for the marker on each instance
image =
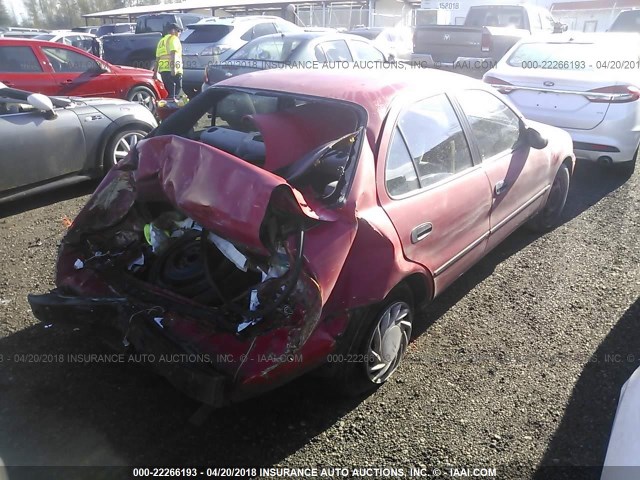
(207, 33)
(428, 146)
(18, 60)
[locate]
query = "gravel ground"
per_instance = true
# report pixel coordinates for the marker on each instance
(518, 367)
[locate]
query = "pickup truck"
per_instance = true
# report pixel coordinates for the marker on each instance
(626, 21)
(139, 49)
(488, 32)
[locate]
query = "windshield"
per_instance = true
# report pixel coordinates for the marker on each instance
(566, 56)
(627, 22)
(206, 33)
(44, 37)
(495, 17)
(276, 49)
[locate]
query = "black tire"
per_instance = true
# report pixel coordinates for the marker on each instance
(115, 146)
(550, 215)
(358, 375)
(626, 169)
(143, 96)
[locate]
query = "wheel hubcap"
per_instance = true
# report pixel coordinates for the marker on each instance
(389, 342)
(124, 145)
(143, 98)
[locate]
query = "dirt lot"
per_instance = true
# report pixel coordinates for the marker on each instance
(519, 365)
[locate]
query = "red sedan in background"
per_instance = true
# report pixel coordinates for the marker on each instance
(283, 220)
(57, 69)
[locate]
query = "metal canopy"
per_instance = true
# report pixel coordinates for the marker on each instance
(231, 5)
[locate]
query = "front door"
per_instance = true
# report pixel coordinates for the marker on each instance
(517, 173)
(35, 149)
(437, 199)
(77, 74)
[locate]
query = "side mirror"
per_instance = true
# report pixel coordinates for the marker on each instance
(42, 102)
(559, 27)
(535, 139)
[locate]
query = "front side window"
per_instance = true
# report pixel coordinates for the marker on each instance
(495, 126)
(365, 51)
(435, 143)
(67, 61)
(18, 60)
(337, 51)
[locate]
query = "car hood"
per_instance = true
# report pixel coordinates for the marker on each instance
(132, 70)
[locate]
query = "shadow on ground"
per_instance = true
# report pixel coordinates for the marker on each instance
(16, 207)
(579, 445)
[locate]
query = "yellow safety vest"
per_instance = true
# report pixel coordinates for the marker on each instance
(166, 45)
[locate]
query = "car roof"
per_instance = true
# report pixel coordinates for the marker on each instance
(581, 37)
(235, 20)
(305, 35)
(357, 85)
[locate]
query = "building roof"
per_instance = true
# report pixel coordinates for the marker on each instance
(595, 5)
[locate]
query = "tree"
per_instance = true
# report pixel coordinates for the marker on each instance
(5, 18)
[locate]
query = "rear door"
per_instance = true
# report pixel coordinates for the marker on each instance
(77, 73)
(517, 173)
(35, 149)
(21, 68)
(437, 199)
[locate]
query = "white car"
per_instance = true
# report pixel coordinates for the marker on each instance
(586, 84)
(624, 444)
(84, 41)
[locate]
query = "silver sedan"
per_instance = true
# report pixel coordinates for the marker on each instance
(49, 142)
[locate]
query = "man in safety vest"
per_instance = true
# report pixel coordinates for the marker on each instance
(169, 60)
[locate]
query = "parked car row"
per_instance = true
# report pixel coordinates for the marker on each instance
(59, 69)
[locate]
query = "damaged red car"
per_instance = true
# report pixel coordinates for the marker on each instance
(284, 220)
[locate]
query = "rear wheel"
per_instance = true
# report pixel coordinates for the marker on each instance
(144, 96)
(549, 217)
(120, 145)
(381, 346)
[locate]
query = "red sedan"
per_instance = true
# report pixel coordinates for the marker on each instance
(57, 69)
(284, 220)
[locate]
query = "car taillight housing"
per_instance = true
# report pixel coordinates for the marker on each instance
(486, 42)
(498, 84)
(614, 94)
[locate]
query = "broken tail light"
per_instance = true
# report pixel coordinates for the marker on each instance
(614, 94)
(498, 84)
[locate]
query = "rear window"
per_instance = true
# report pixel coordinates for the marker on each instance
(154, 24)
(627, 22)
(105, 30)
(495, 17)
(43, 37)
(18, 60)
(207, 33)
(567, 56)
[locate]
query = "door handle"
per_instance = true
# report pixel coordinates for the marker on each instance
(8, 84)
(501, 187)
(66, 82)
(421, 232)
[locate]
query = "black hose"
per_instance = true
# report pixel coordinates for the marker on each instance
(294, 274)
